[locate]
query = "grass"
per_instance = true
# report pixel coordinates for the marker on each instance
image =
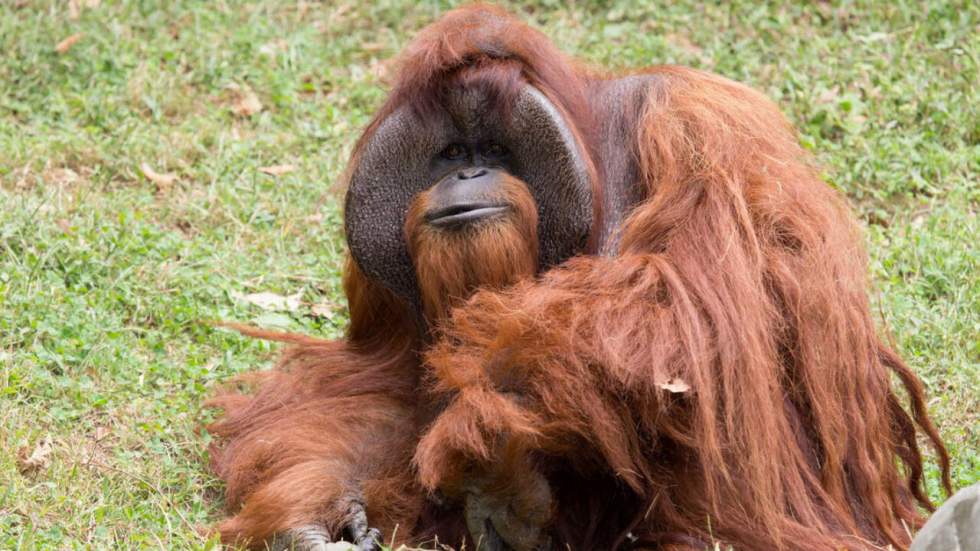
(106, 275)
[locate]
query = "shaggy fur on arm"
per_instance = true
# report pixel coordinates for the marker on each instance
(723, 369)
(334, 422)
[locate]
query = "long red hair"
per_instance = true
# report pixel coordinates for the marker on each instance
(741, 277)
(718, 378)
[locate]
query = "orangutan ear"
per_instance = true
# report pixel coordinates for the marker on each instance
(393, 165)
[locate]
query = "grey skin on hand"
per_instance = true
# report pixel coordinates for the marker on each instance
(503, 522)
(953, 527)
(315, 537)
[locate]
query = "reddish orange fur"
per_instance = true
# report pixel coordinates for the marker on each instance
(334, 420)
(451, 265)
(740, 273)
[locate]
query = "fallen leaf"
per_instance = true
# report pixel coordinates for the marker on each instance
(245, 103)
(323, 310)
(22, 177)
(31, 462)
(675, 386)
(381, 69)
(301, 10)
(274, 47)
(101, 433)
(339, 14)
(277, 170)
(829, 95)
(75, 7)
(373, 46)
(162, 180)
(67, 43)
(684, 43)
(275, 320)
(271, 301)
(61, 176)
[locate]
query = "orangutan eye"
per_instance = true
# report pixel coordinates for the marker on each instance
(496, 150)
(454, 152)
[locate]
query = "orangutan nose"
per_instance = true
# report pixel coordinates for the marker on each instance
(471, 173)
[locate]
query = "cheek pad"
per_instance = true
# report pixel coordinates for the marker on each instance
(553, 165)
(393, 167)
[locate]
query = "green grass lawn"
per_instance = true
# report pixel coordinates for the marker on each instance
(106, 274)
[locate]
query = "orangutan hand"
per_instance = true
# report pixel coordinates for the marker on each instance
(511, 519)
(315, 537)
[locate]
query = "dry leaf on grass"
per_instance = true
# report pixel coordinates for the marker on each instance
(30, 462)
(271, 301)
(67, 43)
(675, 385)
(61, 176)
(684, 43)
(373, 46)
(829, 95)
(75, 7)
(163, 181)
(101, 432)
(274, 47)
(277, 170)
(323, 310)
(382, 69)
(244, 101)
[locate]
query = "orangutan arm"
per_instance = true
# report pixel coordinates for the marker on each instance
(323, 444)
(545, 368)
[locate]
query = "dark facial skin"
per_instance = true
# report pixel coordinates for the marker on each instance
(467, 184)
